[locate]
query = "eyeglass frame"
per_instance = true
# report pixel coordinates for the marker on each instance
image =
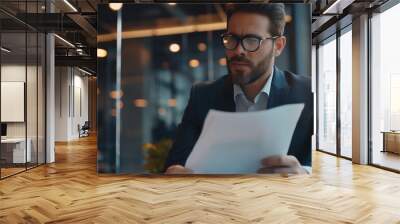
(240, 40)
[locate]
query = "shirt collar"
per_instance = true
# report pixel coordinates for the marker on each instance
(237, 90)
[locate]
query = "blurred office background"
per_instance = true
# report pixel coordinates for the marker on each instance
(164, 50)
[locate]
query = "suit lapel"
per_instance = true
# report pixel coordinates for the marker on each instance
(279, 89)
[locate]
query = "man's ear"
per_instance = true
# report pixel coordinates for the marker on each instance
(280, 44)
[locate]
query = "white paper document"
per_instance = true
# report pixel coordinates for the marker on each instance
(236, 142)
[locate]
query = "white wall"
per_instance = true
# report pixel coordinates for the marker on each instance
(71, 93)
(81, 84)
(61, 103)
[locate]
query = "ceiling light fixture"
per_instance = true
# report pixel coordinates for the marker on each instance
(84, 71)
(115, 6)
(335, 7)
(5, 50)
(174, 47)
(194, 63)
(165, 31)
(222, 61)
(65, 41)
(70, 5)
(140, 103)
(202, 47)
(101, 53)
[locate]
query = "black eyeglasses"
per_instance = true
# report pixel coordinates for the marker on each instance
(249, 42)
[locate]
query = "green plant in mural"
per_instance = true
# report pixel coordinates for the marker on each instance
(156, 154)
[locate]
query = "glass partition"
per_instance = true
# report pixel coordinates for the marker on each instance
(31, 99)
(14, 154)
(385, 89)
(22, 88)
(327, 96)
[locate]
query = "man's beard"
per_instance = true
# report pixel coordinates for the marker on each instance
(256, 72)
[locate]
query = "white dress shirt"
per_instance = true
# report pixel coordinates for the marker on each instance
(260, 101)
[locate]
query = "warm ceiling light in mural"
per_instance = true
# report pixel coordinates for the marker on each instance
(194, 63)
(64, 41)
(288, 18)
(120, 104)
(115, 6)
(202, 47)
(140, 103)
(5, 50)
(174, 47)
(116, 94)
(172, 102)
(101, 53)
(165, 31)
(172, 3)
(222, 61)
(70, 5)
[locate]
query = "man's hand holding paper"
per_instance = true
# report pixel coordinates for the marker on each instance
(233, 143)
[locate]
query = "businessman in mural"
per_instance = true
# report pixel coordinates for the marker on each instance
(253, 40)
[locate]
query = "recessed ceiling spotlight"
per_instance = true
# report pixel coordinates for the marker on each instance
(115, 6)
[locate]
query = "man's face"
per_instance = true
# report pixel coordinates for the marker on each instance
(246, 67)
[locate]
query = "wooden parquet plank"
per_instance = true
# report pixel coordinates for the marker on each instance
(70, 191)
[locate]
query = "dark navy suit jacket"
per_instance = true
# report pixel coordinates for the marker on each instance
(286, 88)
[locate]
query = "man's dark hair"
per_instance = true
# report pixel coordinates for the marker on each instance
(274, 11)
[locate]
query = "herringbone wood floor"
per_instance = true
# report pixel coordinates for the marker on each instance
(70, 191)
